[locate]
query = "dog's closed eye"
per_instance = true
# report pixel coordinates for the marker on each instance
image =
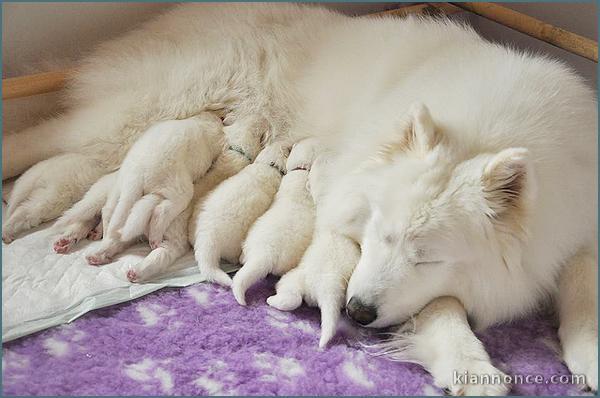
(420, 263)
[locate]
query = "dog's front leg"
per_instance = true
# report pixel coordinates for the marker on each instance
(440, 339)
(578, 309)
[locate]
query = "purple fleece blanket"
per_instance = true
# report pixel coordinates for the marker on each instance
(199, 341)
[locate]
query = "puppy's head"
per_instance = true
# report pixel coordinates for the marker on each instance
(274, 155)
(248, 135)
(437, 216)
(303, 154)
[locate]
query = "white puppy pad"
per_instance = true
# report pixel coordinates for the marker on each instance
(41, 289)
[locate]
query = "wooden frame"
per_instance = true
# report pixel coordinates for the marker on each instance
(41, 83)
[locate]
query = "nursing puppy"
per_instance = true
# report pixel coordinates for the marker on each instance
(320, 279)
(230, 210)
(277, 241)
(84, 219)
(243, 146)
(164, 162)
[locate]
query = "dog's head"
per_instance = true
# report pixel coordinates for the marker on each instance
(436, 213)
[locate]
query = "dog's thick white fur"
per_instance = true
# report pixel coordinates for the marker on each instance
(277, 241)
(163, 163)
(486, 192)
(230, 210)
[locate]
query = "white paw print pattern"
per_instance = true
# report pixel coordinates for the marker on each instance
(200, 294)
(152, 313)
(213, 381)
(279, 368)
(355, 369)
(66, 340)
(150, 372)
(284, 321)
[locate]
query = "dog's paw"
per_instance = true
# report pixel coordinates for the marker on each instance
(584, 361)
(471, 377)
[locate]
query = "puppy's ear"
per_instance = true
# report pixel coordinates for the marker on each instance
(506, 183)
(415, 133)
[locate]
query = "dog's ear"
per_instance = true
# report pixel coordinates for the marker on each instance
(415, 133)
(506, 183)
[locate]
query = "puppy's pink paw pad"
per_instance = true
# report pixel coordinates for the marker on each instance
(132, 276)
(63, 245)
(94, 235)
(97, 260)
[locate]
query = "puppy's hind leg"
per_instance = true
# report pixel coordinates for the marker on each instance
(158, 261)
(46, 190)
(129, 192)
(80, 220)
(177, 198)
(578, 313)
(139, 218)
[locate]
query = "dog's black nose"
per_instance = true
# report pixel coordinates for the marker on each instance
(361, 313)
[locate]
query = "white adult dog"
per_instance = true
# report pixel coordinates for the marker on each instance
(486, 193)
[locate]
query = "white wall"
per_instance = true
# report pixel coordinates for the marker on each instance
(38, 36)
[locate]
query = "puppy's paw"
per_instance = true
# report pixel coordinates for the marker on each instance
(98, 259)
(64, 244)
(285, 301)
(132, 276)
(7, 236)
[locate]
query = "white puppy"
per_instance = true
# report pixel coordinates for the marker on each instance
(243, 147)
(277, 241)
(164, 162)
(320, 279)
(230, 210)
(84, 218)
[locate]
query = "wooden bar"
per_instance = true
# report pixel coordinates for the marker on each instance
(423, 8)
(533, 27)
(39, 83)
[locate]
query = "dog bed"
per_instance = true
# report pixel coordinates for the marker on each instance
(198, 341)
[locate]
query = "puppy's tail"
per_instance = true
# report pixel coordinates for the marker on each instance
(330, 315)
(247, 276)
(137, 221)
(207, 256)
(330, 298)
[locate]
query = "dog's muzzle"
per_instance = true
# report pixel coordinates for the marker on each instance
(360, 312)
